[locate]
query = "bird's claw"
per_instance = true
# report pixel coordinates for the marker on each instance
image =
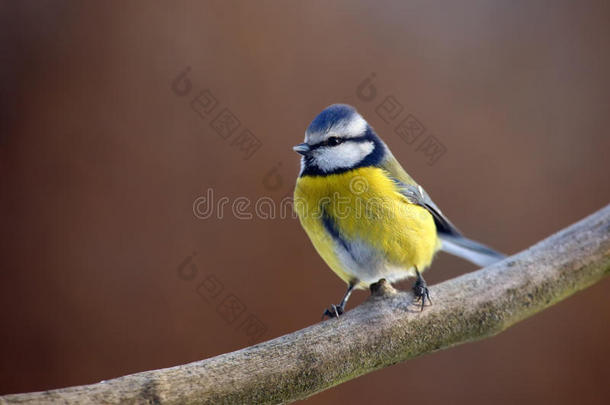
(333, 312)
(421, 292)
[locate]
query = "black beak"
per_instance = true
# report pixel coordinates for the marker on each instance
(302, 149)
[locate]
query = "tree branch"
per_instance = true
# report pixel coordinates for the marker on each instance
(388, 328)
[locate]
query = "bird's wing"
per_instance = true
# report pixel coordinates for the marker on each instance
(417, 195)
(453, 241)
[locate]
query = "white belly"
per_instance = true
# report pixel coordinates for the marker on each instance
(362, 261)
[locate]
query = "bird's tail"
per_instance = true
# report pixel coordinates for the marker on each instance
(470, 250)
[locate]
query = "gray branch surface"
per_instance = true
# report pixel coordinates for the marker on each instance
(386, 329)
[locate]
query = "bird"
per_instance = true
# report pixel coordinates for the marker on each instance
(365, 216)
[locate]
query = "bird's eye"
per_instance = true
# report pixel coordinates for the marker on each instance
(333, 141)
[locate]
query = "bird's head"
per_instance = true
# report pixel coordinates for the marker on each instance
(338, 140)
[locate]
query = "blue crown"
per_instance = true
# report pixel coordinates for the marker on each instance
(331, 116)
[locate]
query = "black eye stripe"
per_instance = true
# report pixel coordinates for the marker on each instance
(333, 141)
(325, 143)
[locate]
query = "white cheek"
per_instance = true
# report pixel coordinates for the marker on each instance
(343, 156)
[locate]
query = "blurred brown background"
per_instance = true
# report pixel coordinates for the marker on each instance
(101, 162)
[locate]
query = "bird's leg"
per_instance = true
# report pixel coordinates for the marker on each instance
(420, 290)
(335, 310)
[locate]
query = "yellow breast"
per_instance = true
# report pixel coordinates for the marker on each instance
(365, 205)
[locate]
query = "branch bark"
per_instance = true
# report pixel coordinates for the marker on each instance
(384, 330)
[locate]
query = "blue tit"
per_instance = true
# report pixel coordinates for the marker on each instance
(366, 217)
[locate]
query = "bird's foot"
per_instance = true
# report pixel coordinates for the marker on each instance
(336, 310)
(333, 312)
(420, 290)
